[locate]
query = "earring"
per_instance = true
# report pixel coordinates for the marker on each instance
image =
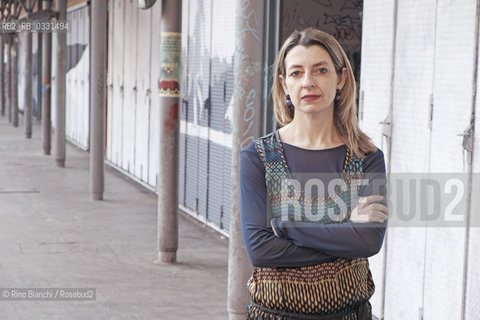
(289, 102)
(337, 95)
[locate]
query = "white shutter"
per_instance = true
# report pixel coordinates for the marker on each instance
(78, 78)
(154, 115)
(454, 61)
(142, 111)
(130, 89)
(116, 68)
(110, 68)
(375, 94)
(473, 276)
(472, 309)
(410, 144)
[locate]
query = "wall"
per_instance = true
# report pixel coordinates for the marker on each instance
(420, 72)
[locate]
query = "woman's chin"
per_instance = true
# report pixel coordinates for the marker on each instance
(312, 109)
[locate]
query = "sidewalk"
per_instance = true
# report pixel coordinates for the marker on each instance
(53, 235)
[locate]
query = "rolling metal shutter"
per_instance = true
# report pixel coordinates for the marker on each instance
(205, 140)
(223, 45)
(197, 113)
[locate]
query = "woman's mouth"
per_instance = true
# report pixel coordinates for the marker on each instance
(311, 97)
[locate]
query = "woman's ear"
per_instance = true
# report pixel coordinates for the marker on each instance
(282, 81)
(342, 78)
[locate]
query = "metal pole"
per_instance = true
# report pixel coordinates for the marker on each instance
(28, 85)
(169, 87)
(2, 74)
(246, 127)
(46, 80)
(38, 109)
(9, 77)
(15, 80)
(98, 55)
(60, 82)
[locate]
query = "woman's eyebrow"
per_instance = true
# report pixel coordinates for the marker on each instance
(320, 63)
(315, 65)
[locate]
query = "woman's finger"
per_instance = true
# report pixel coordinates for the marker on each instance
(367, 219)
(377, 216)
(379, 207)
(365, 201)
(373, 210)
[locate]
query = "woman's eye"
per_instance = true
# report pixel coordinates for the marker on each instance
(322, 70)
(295, 74)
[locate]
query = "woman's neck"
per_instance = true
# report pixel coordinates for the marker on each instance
(311, 132)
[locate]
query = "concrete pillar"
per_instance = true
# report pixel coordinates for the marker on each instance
(9, 77)
(14, 80)
(28, 85)
(97, 97)
(39, 70)
(2, 74)
(169, 87)
(61, 85)
(247, 125)
(46, 87)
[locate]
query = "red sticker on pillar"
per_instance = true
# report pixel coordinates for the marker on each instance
(169, 81)
(172, 117)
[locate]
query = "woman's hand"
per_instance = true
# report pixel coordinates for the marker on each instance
(369, 211)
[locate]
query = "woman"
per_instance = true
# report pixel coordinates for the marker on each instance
(309, 250)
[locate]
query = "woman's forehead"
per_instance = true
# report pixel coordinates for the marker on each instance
(307, 56)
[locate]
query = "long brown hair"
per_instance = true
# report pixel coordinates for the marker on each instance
(344, 114)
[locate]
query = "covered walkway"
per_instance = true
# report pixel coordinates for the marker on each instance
(54, 236)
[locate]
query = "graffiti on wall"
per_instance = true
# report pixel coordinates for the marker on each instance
(342, 19)
(346, 26)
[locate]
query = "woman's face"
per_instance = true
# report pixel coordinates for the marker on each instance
(311, 79)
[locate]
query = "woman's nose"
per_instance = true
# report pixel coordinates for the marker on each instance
(308, 80)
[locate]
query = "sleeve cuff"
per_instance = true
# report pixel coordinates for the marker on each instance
(277, 230)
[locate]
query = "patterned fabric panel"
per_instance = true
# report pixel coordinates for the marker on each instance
(322, 289)
(281, 191)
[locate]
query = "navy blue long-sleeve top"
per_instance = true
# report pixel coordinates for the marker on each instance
(300, 243)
